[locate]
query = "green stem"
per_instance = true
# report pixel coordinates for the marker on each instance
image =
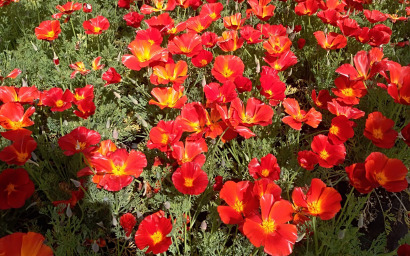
(345, 205)
(315, 235)
(72, 27)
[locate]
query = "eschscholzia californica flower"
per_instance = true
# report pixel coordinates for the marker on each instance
(190, 179)
(374, 16)
(255, 113)
(96, 64)
(340, 109)
(96, 25)
(176, 73)
(349, 27)
(330, 41)
(79, 67)
(212, 10)
(12, 75)
(194, 118)
(262, 9)
(67, 9)
(241, 202)
(151, 34)
(251, 35)
(230, 41)
(191, 151)
(297, 116)
(187, 44)
(307, 159)
(328, 154)
(308, 7)
(390, 173)
(15, 188)
(272, 88)
(48, 30)
(379, 129)
(160, 6)
(164, 135)
(198, 24)
(79, 140)
(13, 117)
(267, 168)
(22, 95)
(133, 19)
(143, 54)
(83, 94)
(162, 22)
(128, 222)
(405, 134)
(357, 178)
(269, 229)
(399, 86)
(19, 152)
(30, 243)
(209, 39)
(234, 21)
(281, 63)
(85, 108)
(57, 99)
(76, 195)
(379, 35)
(152, 232)
(111, 76)
(243, 84)
(168, 97)
(321, 99)
(341, 130)
(227, 68)
(349, 92)
(266, 186)
(276, 45)
(202, 59)
(216, 94)
(319, 200)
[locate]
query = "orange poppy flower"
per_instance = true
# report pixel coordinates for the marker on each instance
(340, 109)
(202, 59)
(307, 159)
(194, 118)
(79, 67)
(143, 54)
(319, 200)
(12, 75)
(269, 229)
(308, 7)
(48, 30)
(96, 25)
(190, 179)
(164, 135)
(261, 9)
(329, 16)
(341, 130)
(272, 87)
(111, 76)
(255, 113)
(67, 9)
(160, 6)
(30, 243)
(321, 99)
(152, 232)
(15, 188)
(96, 64)
(251, 35)
(128, 222)
(216, 94)
(151, 34)
(22, 95)
(266, 186)
(85, 108)
(19, 152)
(328, 154)
(57, 99)
(374, 16)
(133, 19)
(297, 116)
(349, 27)
(13, 117)
(357, 178)
(234, 21)
(209, 39)
(379, 129)
(227, 68)
(212, 10)
(330, 41)
(162, 22)
(229, 41)
(175, 73)
(191, 151)
(281, 63)
(348, 91)
(267, 168)
(188, 44)
(390, 173)
(169, 97)
(198, 24)
(79, 140)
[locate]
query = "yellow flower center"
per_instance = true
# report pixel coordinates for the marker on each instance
(314, 208)
(238, 206)
(268, 226)
(265, 172)
(164, 138)
(188, 182)
(378, 134)
(185, 50)
(50, 33)
(324, 155)
(97, 29)
(227, 72)
(22, 157)
(381, 178)
(204, 62)
(334, 130)
(10, 188)
(347, 92)
(212, 15)
(59, 103)
(79, 145)
(156, 237)
(118, 170)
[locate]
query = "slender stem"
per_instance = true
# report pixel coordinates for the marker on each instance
(345, 205)
(315, 235)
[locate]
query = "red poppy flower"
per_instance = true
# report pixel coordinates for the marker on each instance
(85, 108)
(405, 134)
(379, 129)
(330, 41)
(96, 25)
(194, 118)
(341, 130)
(234, 21)
(143, 54)
(227, 68)
(111, 76)
(13, 117)
(212, 10)
(160, 6)
(87, 8)
(48, 30)
(176, 29)
(349, 27)
(162, 22)
(301, 43)
(297, 116)
(261, 9)
(190, 179)
(164, 135)
(151, 34)
(271, 30)
(216, 94)
(96, 64)
(379, 35)
(243, 84)
(209, 39)
(30, 243)
(67, 9)
(281, 63)
(241, 201)
(270, 229)
(328, 154)
(390, 173)
(403, 249)
(12, 75)
(128, 222)
(19, 152)
(15, 188)
(308, 7)
(133, 19)
(276, 45)
(79, 140)
(319, 200)
(169, 97)
(349, 92)
(307, 159)
(251, 35)
(198, 24)
(267, 168)
(57, 99)
(79, 67)
(394, 18)
(187, 44)
(126, 4)
(255, 113)
(84, 93)
(267, 186)
(321, 99)
(229, 41)
(152, 232)
(22, 95)
(118, 169)
(357, 178)
(202, 59)
(329, 16)
(176, 73)
(191, 151)
(339, 109)
(374, 16)
(399, 86)
(272, 88)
